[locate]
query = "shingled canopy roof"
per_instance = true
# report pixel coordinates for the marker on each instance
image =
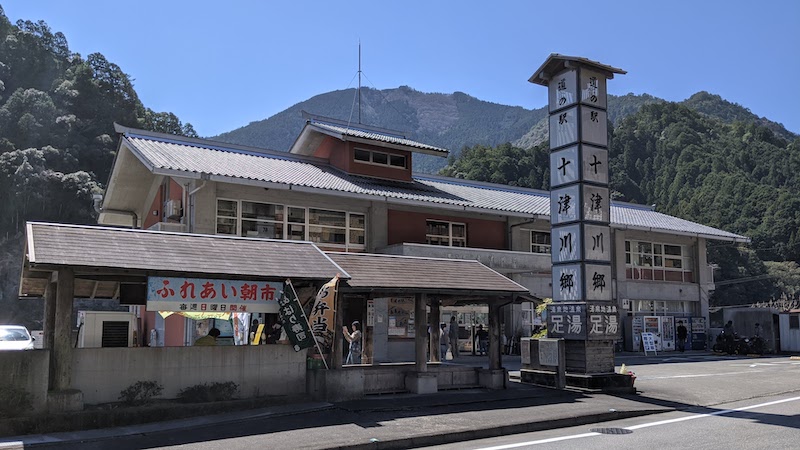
(102, 256)
(394, 274)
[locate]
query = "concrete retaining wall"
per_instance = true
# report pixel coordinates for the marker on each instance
(390, 378)
(101, 373)
(27, 370)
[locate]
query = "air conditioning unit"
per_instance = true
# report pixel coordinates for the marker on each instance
(168, 226)
(172, 209)
(106, 329)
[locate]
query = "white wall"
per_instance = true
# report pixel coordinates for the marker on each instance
(101, 373)
(790, 338)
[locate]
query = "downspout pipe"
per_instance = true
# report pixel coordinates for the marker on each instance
(98, 200)
(189, 206)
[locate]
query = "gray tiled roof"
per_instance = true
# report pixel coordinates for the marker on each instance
(352, 131)
(372, 271)
(155, 251)
(168, 156)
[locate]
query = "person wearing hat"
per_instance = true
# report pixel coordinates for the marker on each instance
(354, 354)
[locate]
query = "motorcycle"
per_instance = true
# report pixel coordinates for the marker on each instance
(728, 343)
(733, 344)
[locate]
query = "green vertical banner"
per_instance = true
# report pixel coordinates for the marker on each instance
(294, 320)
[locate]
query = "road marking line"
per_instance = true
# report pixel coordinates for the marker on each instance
(640, 426)
(696, 375)
(541, 441)
(715, 413)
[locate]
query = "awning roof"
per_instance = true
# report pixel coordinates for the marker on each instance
(390, 273)
(102, 253)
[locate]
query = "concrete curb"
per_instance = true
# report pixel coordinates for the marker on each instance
(103, 434)
(485, 433)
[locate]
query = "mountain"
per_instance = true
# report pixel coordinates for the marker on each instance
(450, 121)
(455, 121)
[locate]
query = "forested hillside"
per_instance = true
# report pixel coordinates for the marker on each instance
(450, 121)
(57, 140)
(707, 166)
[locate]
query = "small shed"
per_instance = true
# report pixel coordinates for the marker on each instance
(790, 330)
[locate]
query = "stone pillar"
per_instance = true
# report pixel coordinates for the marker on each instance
(420, 334)
(583, 310)
(62, 336)
(495, 362)
(421, 381)
(433, 324)
(495, 376)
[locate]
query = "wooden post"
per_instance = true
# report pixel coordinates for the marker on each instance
(49, 315)
(420, 333)
(494, 335)
(62, 338)
(50, 324)
(435, 333)
(338, 337)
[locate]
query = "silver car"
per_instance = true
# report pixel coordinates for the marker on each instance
(15, 337)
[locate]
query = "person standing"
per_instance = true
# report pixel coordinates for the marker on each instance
(483, 340)
(453, 337)
(354, 338)
(682, 333)
(444, 342)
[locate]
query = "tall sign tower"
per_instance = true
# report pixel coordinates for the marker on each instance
(583, 311)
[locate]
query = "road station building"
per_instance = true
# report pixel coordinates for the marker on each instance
(406, 245)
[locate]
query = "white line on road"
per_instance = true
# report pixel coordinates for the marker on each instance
(715, 413)
(541, 441)
(697, 375)
(644, 425)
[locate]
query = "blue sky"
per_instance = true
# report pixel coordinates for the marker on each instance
(221, 65)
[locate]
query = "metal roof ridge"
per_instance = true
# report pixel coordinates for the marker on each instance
(474, 183)
(232, 148)
(385, 255)
(311, 118)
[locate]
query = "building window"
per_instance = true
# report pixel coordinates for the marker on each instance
(379, 158)
(794, 321)
(540, 242)
(451, 234)
(658, 262)
(335, 229)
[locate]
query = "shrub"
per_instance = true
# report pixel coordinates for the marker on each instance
(14, 401)
(140, 393)
(214, 392)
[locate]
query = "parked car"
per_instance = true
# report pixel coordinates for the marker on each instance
(15, 337)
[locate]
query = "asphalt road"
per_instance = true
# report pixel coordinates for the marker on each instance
(672, 381)
(771, 422)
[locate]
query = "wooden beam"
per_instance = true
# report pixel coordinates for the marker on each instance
(420, 333)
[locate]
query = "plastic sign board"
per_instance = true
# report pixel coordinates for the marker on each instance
(205, 295)
(649, 343)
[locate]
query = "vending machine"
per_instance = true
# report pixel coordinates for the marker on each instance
(663, 328)
(697, 333)
(667, 333)
(652, 324)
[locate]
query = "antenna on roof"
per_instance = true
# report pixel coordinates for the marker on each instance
(359, 81)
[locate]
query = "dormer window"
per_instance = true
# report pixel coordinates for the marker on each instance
(379, 158)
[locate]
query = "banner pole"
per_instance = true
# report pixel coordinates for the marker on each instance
(309, 324)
